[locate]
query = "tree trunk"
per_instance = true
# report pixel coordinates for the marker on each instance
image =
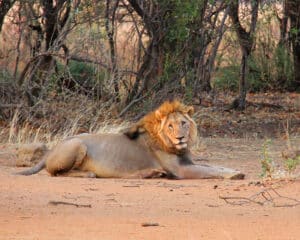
(246, 40)
(293, 11)
(242, 80)
(149, 71)
(296, 54)
(209, 64)
(109, 26)
(37, 71)
(202, 83)
(283, 25)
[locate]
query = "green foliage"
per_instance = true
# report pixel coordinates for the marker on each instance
(7, 87)
(270, 64)
(5, 76)
(294, 31)
(81, 77)
(227, 78)
(267, 163)
(290, 164)
(181, 20)
(81, 72)
(284, 66)
(189, 93)
(169, 69)
(270, 69)
(265, 73)
(268, 166)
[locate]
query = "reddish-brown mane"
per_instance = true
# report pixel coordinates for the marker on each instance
(152, 123)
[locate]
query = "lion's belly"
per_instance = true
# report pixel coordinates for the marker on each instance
(114, 155)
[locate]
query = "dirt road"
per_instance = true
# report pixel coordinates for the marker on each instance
(47, 208)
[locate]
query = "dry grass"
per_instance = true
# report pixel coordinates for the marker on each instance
(59, 117)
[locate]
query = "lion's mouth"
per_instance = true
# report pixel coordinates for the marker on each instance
(181, 145)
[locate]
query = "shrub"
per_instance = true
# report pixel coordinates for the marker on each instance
(271, 71)
(227, 78)
(82, 77)
(79, 73)
(267, 163)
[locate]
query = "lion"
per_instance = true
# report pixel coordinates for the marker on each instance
(157, 145)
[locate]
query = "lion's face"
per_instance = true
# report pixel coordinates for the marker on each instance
(170, 126)
(175, 131)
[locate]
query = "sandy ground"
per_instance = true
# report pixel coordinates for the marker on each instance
(44, 207)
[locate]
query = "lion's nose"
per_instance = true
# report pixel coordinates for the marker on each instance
(180, 138)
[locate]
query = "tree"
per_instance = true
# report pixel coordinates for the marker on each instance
(212, 32)
(246, 41)
(110, 15)
(51, 34)
(289, 42)
(151, 13)
(174, 32)
(293, 13)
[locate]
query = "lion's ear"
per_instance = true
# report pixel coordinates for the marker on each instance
(134, 132)
(190, 111)
(158, 115)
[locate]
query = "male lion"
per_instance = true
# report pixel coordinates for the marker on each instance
(159, 142)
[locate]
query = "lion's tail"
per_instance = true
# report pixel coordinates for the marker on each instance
(35, 169)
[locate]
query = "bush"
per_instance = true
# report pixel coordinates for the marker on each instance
(265, 72)
(82, 77)
(81, 74)
(271, 71)
(270, 64)
(7, 87)
(227, 78)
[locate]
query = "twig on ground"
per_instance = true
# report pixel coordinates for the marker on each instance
(149, 224)
(55, 203)
(266, 194)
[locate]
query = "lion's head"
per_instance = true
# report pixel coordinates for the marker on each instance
(170, 126)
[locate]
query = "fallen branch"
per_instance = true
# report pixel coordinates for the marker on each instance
(267, 197)
(245, 200)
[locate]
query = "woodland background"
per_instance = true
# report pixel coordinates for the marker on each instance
(68, 66)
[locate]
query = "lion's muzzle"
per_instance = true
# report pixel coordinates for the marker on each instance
(181, 145)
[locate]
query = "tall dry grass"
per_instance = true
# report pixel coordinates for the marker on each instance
(59, 118)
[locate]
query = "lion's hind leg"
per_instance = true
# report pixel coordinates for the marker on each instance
(78, 173)
(147, 173)
(66, 156)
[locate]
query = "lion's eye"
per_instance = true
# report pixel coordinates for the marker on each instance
(183, 123)
(170, 126)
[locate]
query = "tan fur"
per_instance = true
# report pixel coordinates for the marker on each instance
(158, 143)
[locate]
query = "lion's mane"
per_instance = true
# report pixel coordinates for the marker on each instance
(153, 124)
